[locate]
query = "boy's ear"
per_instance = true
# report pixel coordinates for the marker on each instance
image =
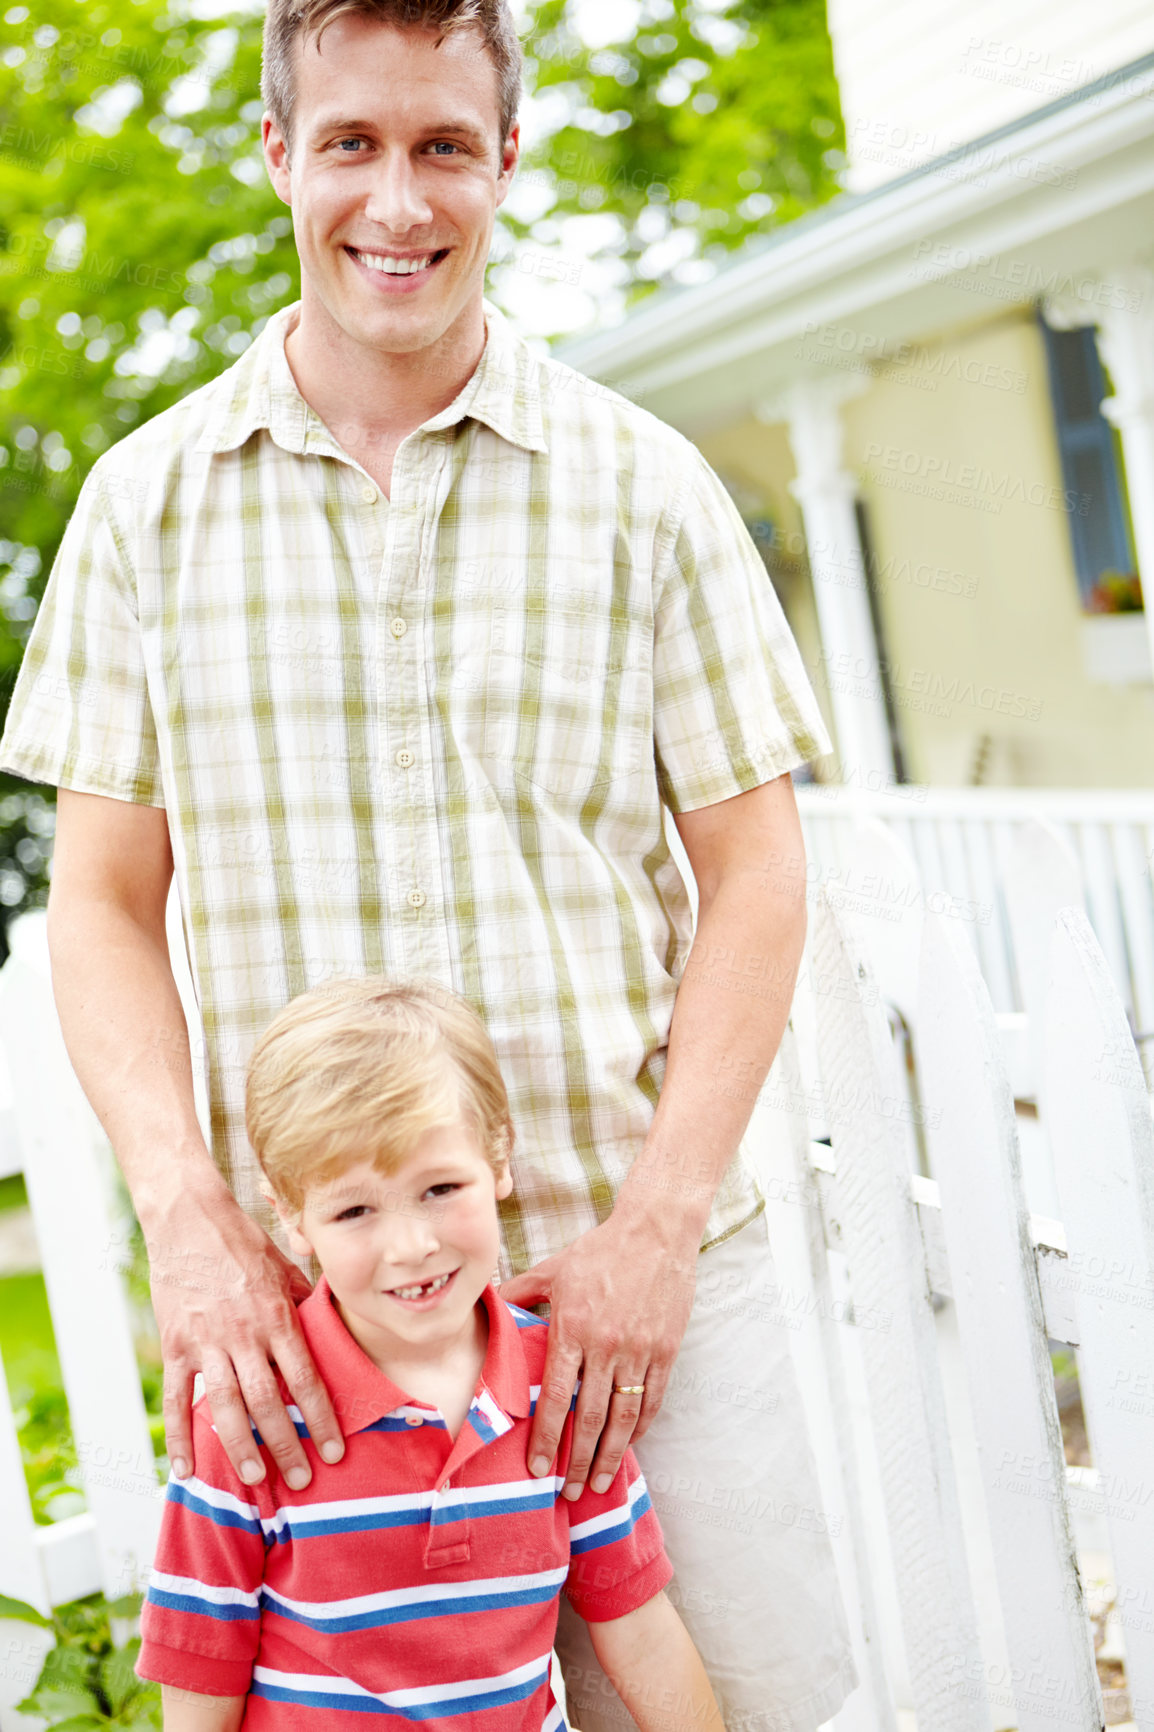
(504, 1182)
(289, 1220)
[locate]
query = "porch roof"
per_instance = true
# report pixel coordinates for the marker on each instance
(1054, 202)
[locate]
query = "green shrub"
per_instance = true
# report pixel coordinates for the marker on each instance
(87, 1681)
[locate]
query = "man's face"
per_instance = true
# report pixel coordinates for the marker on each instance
(394, 177)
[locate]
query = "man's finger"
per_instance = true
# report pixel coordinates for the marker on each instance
(656, 1384)
(230, 1417)
(179, 1378)
(558, 1381)
(624, 1412)
(275, 1425)
(312, 1398)
(530, 1288)
(588, 1424)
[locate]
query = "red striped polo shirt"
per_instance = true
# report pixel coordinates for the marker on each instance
(418, 1577)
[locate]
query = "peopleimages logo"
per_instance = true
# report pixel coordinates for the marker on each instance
(993, 270)
(921, 469)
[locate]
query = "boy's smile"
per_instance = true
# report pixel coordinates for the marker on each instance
(408, 1253)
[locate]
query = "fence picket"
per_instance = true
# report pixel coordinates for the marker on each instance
(69, 1205)
(974, 1156)
(1103, 1143)
(883, 1244)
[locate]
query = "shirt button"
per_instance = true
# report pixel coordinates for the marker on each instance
(369, 495)
(444, 1488)
(413, 1419)
(398, 627)
(416, 898)
(405, 758)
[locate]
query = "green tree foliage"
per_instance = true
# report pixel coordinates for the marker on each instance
(703, 125)
(141, 246)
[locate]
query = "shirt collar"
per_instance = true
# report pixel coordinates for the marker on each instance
(360, 1391)
(259, 392)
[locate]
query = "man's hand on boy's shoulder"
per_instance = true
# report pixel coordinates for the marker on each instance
(226, 1306)
(619, 1299)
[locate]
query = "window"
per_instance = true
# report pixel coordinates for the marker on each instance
(1091, 474)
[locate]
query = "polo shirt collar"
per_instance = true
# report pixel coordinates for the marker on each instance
(260, 392)
(360, 1391)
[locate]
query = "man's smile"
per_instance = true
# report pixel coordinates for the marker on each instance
(398, 264)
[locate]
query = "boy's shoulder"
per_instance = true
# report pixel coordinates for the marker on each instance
(533, 1334)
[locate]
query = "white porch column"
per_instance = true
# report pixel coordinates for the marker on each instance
(826, 493)
(1125, 335)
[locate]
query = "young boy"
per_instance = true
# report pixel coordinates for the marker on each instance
(419, 1577)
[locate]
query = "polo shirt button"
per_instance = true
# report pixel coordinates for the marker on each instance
(413, 1419)
(398, 627)
(445, 1488)
(405, 758)
(369, 495)
(416, 898)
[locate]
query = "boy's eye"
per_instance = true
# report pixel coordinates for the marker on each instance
(352, 1212)
(445, 1190)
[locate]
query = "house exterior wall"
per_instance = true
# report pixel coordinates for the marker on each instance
(918, 79)
(956, 452)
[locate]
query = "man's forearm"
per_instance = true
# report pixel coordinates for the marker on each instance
(732, 1007)
(126, 1034)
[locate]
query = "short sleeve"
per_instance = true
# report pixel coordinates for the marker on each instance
(733, 707)
(617, 1555)
(200, 1625)
(80, 715)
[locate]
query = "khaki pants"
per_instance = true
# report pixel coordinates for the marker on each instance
(733, 1481)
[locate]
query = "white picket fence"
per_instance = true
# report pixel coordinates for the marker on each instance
(919, 1276)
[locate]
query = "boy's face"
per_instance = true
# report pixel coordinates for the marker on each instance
(396, 159)
(408, 1254)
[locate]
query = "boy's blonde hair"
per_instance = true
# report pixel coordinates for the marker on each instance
(361, 1069)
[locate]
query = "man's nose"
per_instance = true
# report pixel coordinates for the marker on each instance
(396, 200)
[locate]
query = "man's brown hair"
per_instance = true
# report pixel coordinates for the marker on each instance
(288, 21)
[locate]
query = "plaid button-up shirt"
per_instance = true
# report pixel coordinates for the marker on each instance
(429, 735)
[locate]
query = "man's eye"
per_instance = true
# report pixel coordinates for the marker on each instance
(350, 146)
(444, 144)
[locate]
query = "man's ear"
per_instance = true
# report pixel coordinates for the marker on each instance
(510, 151)
(276, 158)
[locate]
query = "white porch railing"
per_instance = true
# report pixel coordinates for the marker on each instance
(961, 841)
(918, 1279)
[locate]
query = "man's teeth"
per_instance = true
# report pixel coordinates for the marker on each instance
(394, 267)
(433, 1286)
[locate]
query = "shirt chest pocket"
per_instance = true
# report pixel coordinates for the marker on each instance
(566, 710)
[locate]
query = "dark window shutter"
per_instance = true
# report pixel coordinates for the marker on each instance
(1095, 509)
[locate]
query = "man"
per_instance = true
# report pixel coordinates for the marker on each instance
(396, 643)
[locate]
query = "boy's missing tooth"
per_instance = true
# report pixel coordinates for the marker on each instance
(420, 1575)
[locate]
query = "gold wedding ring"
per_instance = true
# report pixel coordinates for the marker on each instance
(629, 1389)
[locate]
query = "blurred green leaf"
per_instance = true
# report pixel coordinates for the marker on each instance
(21, 1610)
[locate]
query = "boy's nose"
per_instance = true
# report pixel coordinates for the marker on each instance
(407, 1240)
